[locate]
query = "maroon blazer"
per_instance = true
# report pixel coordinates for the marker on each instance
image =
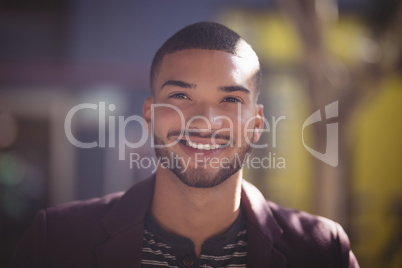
(108, 232)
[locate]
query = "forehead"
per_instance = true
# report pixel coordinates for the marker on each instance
(200, 66)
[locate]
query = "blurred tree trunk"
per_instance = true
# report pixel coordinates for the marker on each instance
(329, 80)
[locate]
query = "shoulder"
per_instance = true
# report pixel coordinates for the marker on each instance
(63, 231)
(73, 220)
(98, 213)
(67, 235)
(303, 239)
(83, 209)
(304, 225)
(290, 226)
(310, 237)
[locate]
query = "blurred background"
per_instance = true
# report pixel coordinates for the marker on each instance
(55, 55)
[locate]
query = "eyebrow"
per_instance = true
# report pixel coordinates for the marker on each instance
(182, 84)
(234, 88)
(178, 83)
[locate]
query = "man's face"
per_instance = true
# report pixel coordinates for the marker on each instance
(216, 116)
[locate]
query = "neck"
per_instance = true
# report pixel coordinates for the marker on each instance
(195, 213)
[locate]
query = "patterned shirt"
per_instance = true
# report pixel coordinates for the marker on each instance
(165, 249)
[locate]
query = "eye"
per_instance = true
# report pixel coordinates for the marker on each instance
(231, 100)
(178, 96)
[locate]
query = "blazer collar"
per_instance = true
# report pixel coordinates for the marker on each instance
(263, 229)
(124, 224)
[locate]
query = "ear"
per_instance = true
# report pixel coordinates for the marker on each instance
(259, 122)
(146, 113)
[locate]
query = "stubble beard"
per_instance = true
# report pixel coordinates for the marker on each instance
(199, 176)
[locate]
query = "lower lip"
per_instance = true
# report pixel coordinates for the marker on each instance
(200, 153)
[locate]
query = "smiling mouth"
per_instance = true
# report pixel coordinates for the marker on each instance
(203, 147)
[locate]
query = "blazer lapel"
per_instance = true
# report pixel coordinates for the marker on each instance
(122, 250)
(262, 230)
(261, 252)
(124, 224)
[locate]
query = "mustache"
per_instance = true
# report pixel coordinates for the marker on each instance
(196, 133)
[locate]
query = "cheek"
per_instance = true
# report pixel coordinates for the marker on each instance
(247, 129)
(243, 126)
(167, 118)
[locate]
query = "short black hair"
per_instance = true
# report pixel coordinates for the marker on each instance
(202, 35)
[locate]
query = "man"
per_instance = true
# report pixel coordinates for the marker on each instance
(196, 211)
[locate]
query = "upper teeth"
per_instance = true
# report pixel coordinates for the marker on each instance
(201, 146)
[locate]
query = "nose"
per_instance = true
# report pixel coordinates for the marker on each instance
(205, 117)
